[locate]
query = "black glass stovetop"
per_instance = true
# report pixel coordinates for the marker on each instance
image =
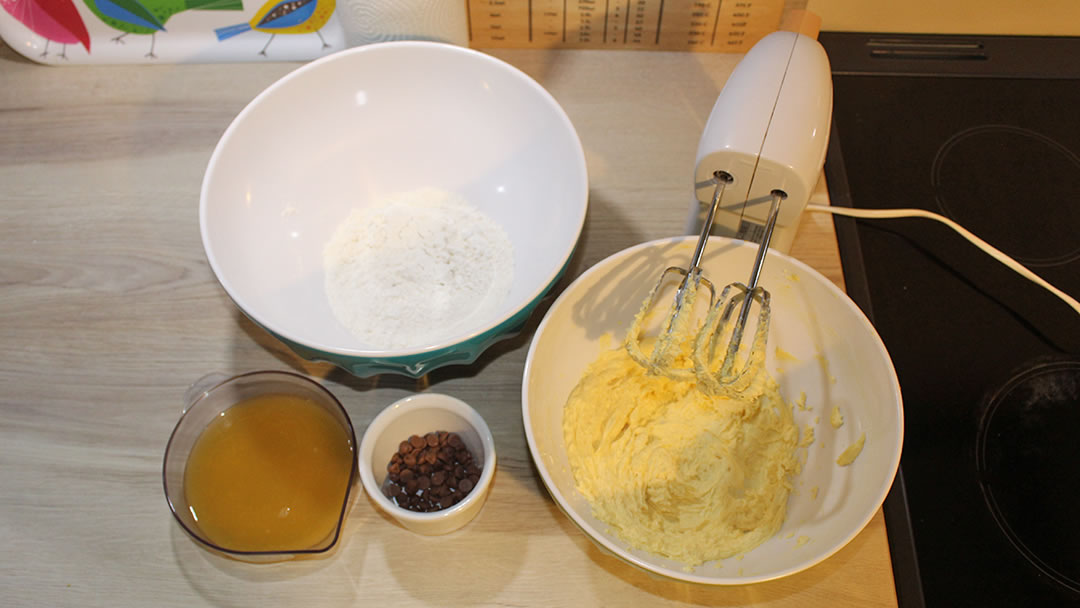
(985, 131)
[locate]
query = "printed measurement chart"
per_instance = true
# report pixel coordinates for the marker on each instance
(661, 25)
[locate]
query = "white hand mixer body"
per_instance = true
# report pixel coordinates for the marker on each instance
(768, 130)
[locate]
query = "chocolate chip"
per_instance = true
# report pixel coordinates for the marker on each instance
(466, 485)
(446, 455)
(417, 441)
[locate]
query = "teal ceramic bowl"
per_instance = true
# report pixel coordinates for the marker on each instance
(371, 123)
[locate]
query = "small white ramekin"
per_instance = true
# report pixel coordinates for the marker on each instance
(418, 415)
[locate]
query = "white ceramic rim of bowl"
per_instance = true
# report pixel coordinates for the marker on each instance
(411, 403)
(620, 551)
(379, 47)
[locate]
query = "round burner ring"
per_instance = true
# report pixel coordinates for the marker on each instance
(1028, 462)
(1027, 176)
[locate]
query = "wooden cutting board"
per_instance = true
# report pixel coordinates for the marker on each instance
(725, 26)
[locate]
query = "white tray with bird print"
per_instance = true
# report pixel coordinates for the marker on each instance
(70, 32)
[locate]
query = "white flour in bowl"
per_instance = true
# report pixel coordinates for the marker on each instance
(416, 268)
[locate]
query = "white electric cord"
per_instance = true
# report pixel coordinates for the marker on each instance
(964, 232)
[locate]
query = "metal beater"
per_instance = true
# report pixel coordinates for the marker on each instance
(715, 376)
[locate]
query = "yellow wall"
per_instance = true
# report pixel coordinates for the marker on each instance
(1029, 17)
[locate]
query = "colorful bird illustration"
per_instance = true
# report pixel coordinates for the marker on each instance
(149, 16)
(285, 17)
(54, 20)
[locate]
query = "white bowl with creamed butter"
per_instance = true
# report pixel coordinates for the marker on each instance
(833, 374)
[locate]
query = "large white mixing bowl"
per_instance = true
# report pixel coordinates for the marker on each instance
(820, 344)
(369, 123)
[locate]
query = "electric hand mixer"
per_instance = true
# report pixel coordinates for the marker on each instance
(764, 142)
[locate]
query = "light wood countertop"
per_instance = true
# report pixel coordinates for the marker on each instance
(108, 311)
